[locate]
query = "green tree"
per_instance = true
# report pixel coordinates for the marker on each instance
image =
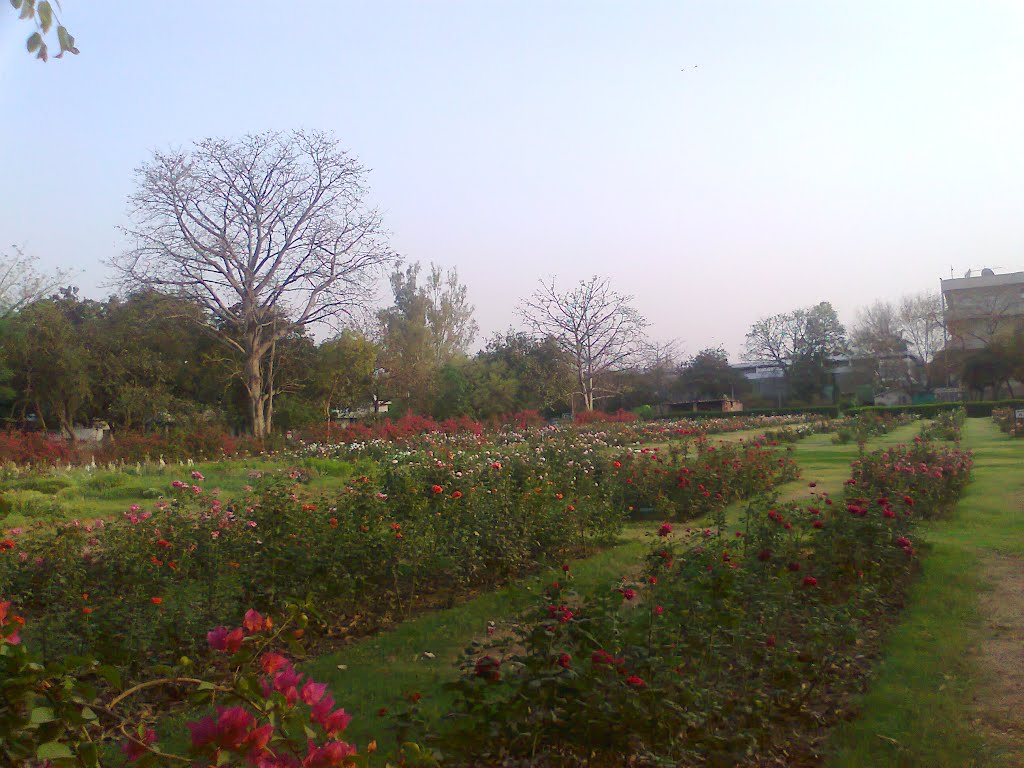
(428, 326)
(517, 372)
(801, 343)
(50, 364)
(709, 374)
(342, 374)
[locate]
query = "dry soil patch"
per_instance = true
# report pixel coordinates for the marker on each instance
(1000, 700)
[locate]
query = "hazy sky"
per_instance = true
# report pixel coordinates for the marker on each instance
(810, 151)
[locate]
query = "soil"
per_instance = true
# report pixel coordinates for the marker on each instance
(1000, 654)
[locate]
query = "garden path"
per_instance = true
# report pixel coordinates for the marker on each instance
(999, 650)
(950, 689)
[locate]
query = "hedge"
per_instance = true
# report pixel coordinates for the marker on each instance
(830, 411)
(977, 408)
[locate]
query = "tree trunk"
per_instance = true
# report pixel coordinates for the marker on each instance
(254, 387)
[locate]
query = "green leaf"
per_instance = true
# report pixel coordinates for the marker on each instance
(110, 674)
(34, 41)
(16, 4)
(41, 715)
(53, 750)
(28, 9)
(89, 755)
(45, 13)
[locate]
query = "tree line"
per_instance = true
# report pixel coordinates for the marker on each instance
(240, 248)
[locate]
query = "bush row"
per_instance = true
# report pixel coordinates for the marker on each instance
(973, 409)
(734, 647)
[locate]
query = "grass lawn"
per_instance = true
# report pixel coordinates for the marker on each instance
(922, 708)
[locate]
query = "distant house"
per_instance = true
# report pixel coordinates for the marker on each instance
(893, 397)
(346, 414)
(849, 373)
(720, 404)
(976, 309)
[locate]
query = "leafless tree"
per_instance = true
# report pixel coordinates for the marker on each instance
(802, 342)
(920, 318)
(597, 327)
(878, 331)
(268, 233)
(21, 283)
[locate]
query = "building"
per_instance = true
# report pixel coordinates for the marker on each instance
(848, 374)
(711, 405)
(977, 309)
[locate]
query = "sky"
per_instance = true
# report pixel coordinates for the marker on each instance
(717, 161)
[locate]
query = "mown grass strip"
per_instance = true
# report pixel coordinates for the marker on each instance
(919, 710)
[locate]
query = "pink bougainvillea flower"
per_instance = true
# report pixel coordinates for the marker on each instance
(233, 726)
(312, 692)
(255, 622)
(337, 722)
(330, 755)
(204, 731)
(217, 638)
(319, 712)
(233, 641)
(133, 750)
(272, 662)
(258, 738)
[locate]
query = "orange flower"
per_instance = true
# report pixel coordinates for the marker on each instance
(457, 495)
(559, 496)
(156, 600)
(333, 522)
(87, 610)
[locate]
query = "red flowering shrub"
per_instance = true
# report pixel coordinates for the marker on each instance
(720, 617)
(592, 417)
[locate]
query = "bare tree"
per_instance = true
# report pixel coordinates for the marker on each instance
(597, 327)
(21, 283)
(800, 342)
(774, 339)
(920, 319)
(268, 233)
(878, 331)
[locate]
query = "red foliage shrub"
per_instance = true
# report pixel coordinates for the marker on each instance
(619, 417)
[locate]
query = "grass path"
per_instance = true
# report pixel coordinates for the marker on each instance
(378, 671)
(948, 692)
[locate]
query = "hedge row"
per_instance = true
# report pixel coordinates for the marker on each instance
(829, 411)
(979, 408)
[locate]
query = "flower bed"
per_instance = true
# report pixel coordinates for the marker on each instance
(730, 647)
